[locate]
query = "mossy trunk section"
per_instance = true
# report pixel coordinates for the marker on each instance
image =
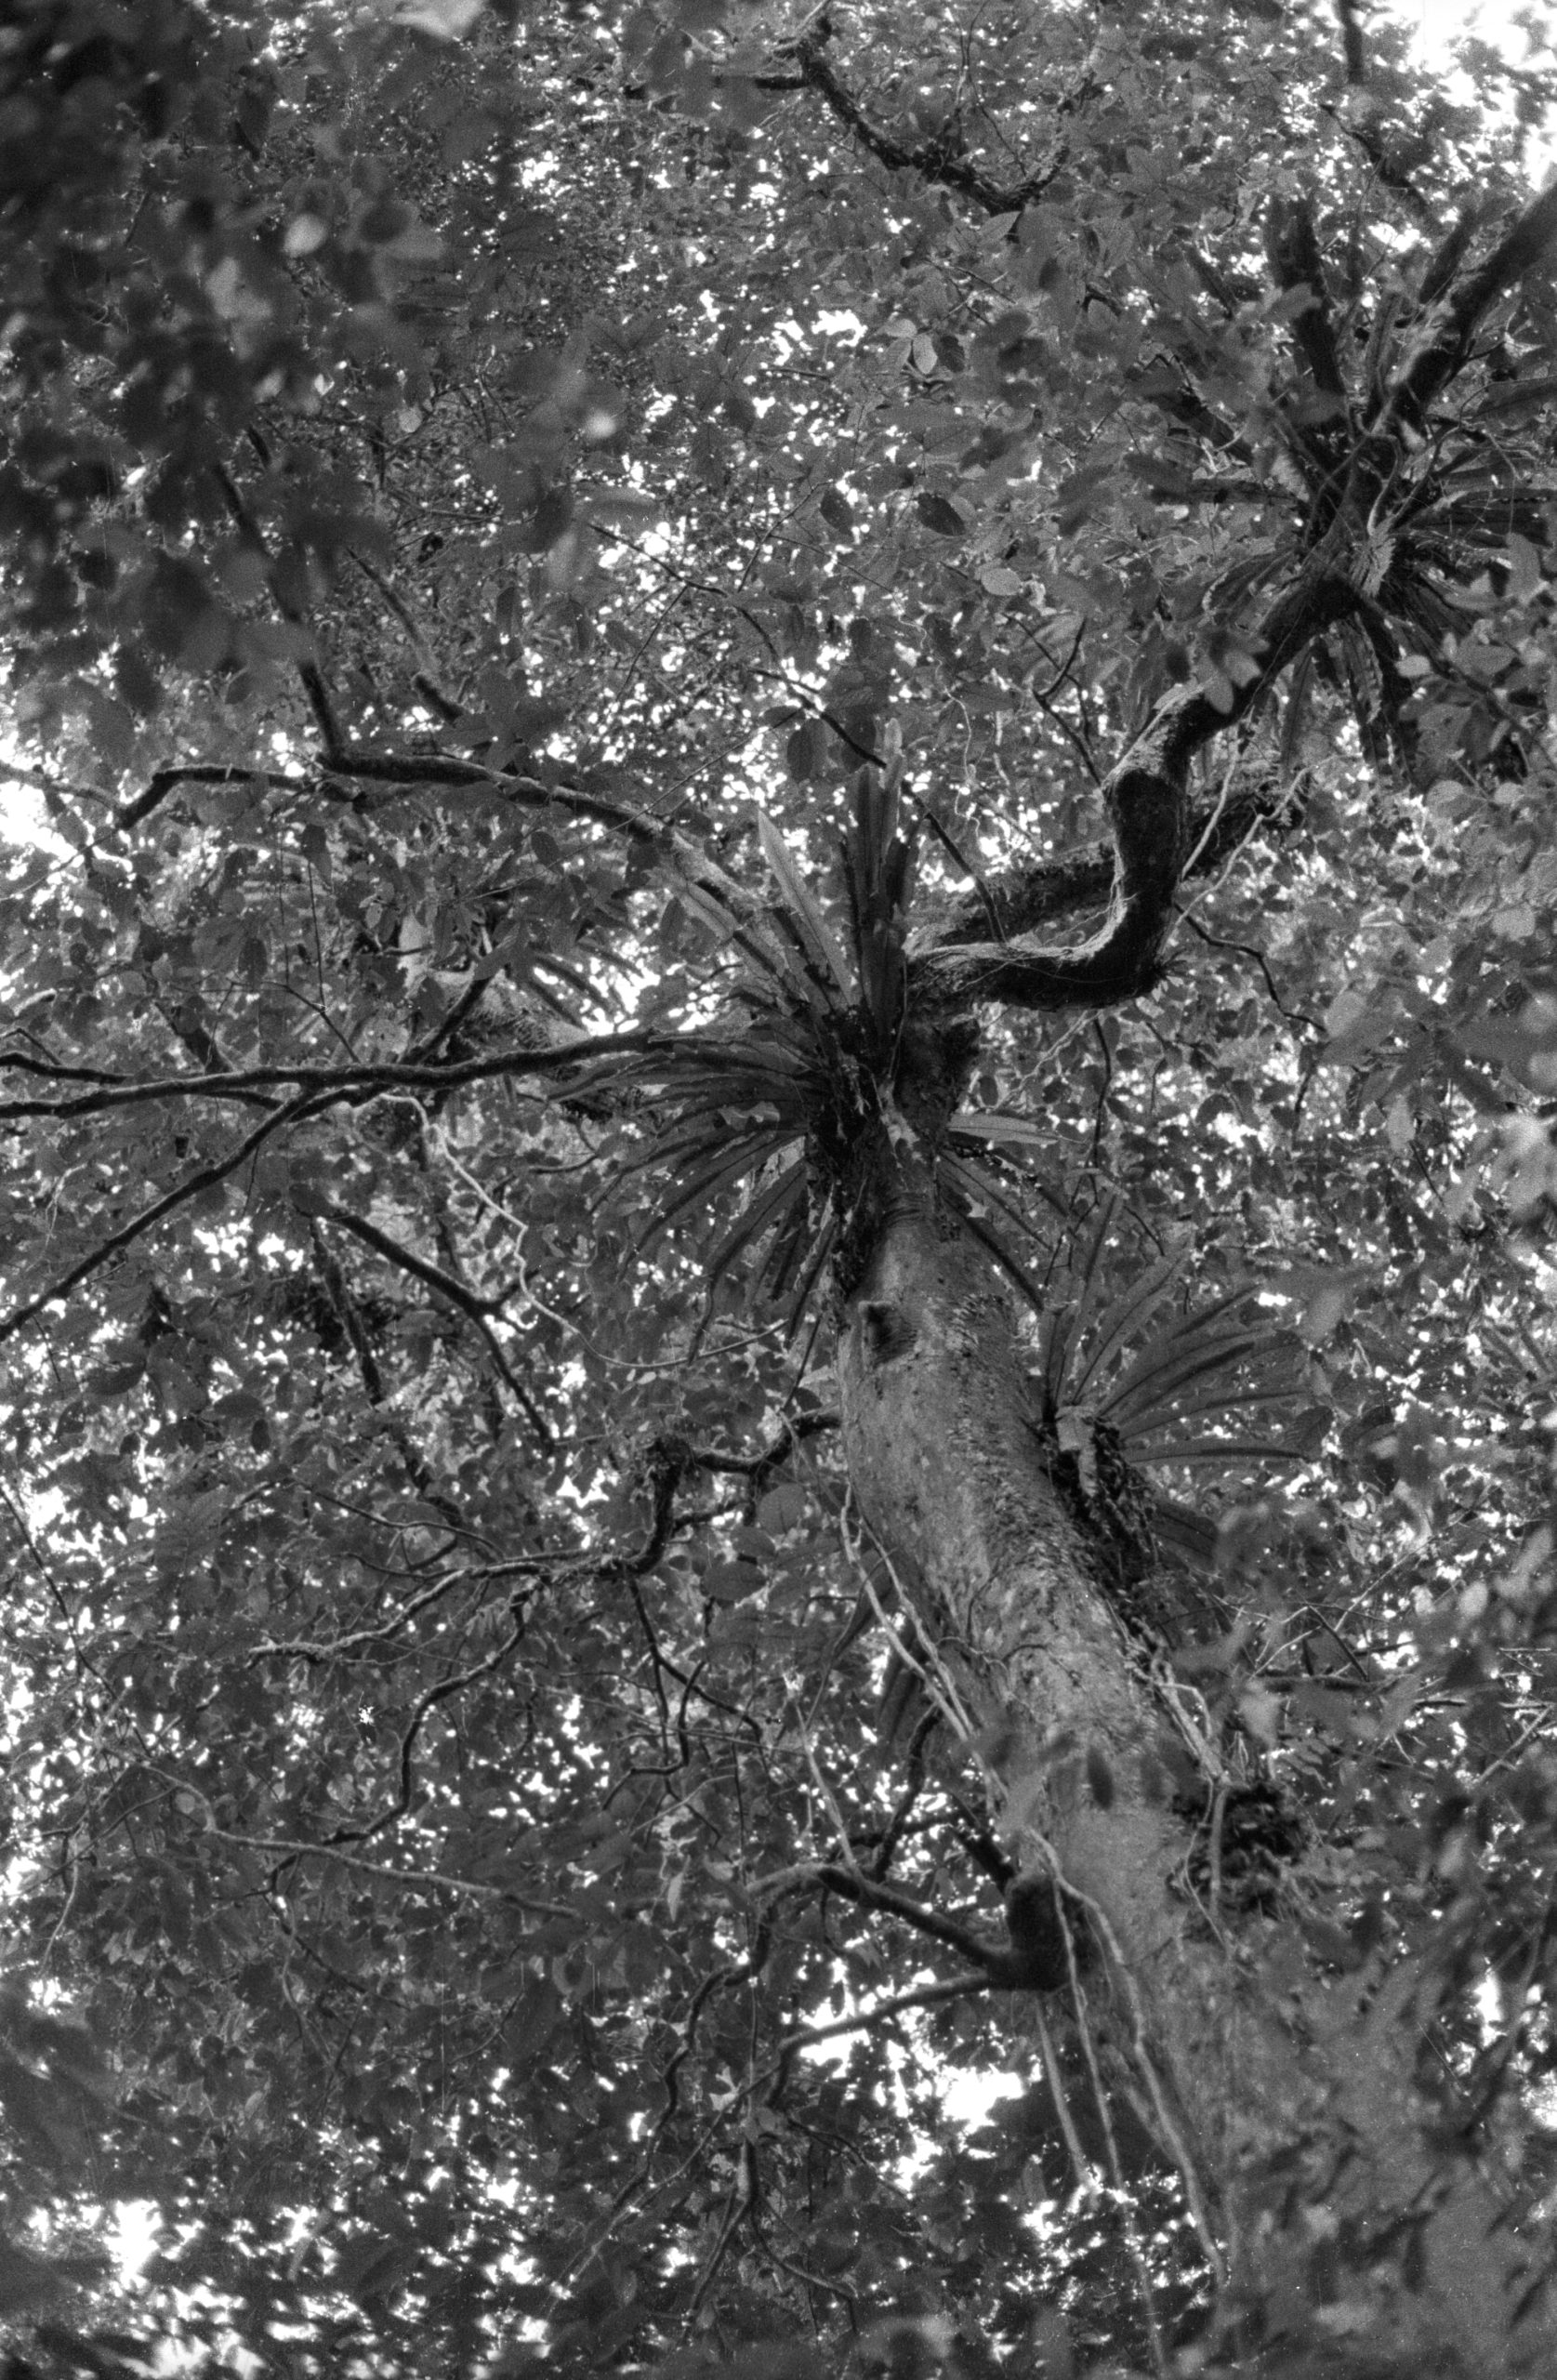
(1285, 2098)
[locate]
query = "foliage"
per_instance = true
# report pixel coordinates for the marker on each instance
(523, 530)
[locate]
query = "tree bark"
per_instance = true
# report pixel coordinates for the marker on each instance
(1292, 2108)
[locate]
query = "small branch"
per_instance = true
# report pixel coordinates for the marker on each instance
(282, 1846)
(432, 1277)
(440, 1692)
(757, 1466)
(1251, 951)
(337, 1289)
(308, 671)
(994, 1961)
(164, 782)
(934, 160)
(928, 1996)
(1352, 42)
(360, 1640)
(424, 680)
(191, 1187)
(1356, 122)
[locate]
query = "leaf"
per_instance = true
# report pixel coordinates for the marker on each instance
(723, 923)
(1162, 1372)
(1005, 1131)
(801, 907)
(783, 1508)
(1124, 1317)
(1206, 1325)
(709, 1179)
(822, 1246)
(805, 752)
(552, 519)
(764, 1209)
(27, 2280)
(975, 1184)
(1215, 1450)
(445, 19)
(970, 1188)
(937, 513)
(1068, 1321)
(731, 1582)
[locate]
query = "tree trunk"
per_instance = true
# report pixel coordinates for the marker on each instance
(1288, 2099)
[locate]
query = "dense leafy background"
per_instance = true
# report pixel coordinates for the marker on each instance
(431, 1609)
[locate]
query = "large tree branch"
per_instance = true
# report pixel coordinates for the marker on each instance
(371, 1079)
(1024, 1962)
(1033, 893)
(1293, 254)
(1151, 821)
(346, 767)
(937, 160)
(1444, 343)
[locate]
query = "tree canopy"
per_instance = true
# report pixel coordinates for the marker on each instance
(781, 1058)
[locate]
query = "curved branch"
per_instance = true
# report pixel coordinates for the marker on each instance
(1151, 817)
(755, 1467)
(936, 160)
(1034, 891)
(850, 1884)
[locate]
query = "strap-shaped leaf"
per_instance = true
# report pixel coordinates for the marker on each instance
(1124, 1318)
(1179, 1406)
(971, 1183)
(1299, 1432)
(1231, 1395)
(1190, 1535)
(682, 1056)
(706, 906)
(791, 1244)
(984, 1231)
(764, 1209)
(821, 1250)
(1211, 1327)
(699, 1143)
(805, 915)
(1015, 1132)
(1196, 1450)
(878, 869)
(1067, 1321)
(786, 968)
(737, 1092)
(1170, 1371)
(704, 1184)
(1005, 1131)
